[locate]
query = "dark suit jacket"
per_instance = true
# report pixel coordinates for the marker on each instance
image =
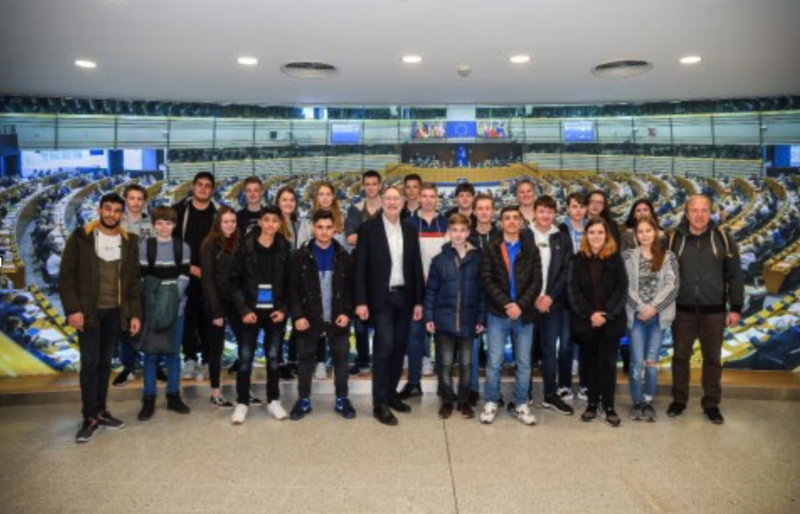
(374, 265)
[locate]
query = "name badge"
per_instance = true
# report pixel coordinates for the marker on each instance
(264, 300)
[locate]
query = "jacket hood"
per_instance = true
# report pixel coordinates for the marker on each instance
(448, 247)
(92, 226)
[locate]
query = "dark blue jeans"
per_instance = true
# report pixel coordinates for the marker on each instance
(361, 329)
(273, 338)
(96, 348)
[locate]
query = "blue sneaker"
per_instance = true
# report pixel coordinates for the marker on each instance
(300, 409)
(345, 408)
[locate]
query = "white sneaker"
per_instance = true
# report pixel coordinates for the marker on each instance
(427, 367)
(524, 414)
(321, 373)
(200, 372)
(276, 410)
(574, 368)
(582, 394)
(188, 369)
(489, 413)
(566, 394)
(239, 414)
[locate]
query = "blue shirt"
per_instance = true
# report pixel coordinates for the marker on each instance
(512, 250)
(325, 268)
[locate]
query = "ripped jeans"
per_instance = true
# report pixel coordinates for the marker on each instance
(645, 344)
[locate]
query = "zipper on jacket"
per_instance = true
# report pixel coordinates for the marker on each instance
(458, 292)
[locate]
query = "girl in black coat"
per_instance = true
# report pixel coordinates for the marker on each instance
(597, 286)
(216, 258)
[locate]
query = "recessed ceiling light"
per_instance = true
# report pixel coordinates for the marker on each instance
(247, 61)
(83, 63)
(691, 59)
(519, 59)
(412, 59)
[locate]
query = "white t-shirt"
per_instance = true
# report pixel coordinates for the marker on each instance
(542, 240)
(394, 234)
(109, 248)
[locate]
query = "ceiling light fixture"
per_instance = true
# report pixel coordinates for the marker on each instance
(412, 59)
(691, 59)
(247, 61)
(519, 59)
(83, 63)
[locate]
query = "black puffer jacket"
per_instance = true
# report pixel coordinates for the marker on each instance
(306, 298)
(243, 280)
(527, 275)
(215, 264)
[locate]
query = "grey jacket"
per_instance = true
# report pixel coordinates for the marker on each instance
(668, 287)
(711, 279)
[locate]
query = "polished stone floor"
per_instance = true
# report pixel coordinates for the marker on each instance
(200, 463)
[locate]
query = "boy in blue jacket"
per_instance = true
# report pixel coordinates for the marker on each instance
(455, 312)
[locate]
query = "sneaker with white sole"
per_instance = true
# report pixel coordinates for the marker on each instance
(188, 369)
(239, 414)
(427, 367)
(276, 410)
(565, 393)
(200, 372)
(489, 413)
(524, 414)
(583, 394)
(321, 372)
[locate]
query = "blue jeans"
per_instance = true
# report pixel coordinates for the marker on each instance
(475, 379)
(556, 351)
(129, 357)
(522, 336)
(173, 366)
(645, 344)
(419, 346)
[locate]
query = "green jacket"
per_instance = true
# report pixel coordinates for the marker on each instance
(79, 284)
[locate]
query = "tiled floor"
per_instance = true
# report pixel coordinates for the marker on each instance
(323, 463)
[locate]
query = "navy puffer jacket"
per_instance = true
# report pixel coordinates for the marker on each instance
(454, 298)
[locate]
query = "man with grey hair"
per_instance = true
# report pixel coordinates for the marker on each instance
(711, 297)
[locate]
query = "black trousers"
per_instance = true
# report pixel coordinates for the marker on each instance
(392, 324)
(599, 350)
(273, 338)
(447, 347)
(307, 349)
(216, 341)
(96, 348)
(195, 326)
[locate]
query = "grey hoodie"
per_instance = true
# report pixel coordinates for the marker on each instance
(711, 279)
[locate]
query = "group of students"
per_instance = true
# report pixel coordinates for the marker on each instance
(396, 265)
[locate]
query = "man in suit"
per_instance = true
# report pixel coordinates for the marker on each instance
(389, 292)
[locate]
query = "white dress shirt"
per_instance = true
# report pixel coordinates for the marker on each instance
(394, 234)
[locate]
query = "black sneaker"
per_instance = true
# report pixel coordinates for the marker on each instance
(358, 370)
(86, 431)
(148, 408)
(175, 404)
(409, 391)
(221, 402)
(714, 415)
(285, 372)
(510, 406)
(234, 369)
(473, 398)
(255, 401)
(106, 420)
(612, 418)
(589, 414)
(300, 409)
(161, 376)
(123, 377)
(675, 409)
(555, 403)
(345, 408)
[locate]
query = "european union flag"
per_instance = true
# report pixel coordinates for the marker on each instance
(462, 129)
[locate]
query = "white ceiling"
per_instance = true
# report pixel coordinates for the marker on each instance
(185, 50)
